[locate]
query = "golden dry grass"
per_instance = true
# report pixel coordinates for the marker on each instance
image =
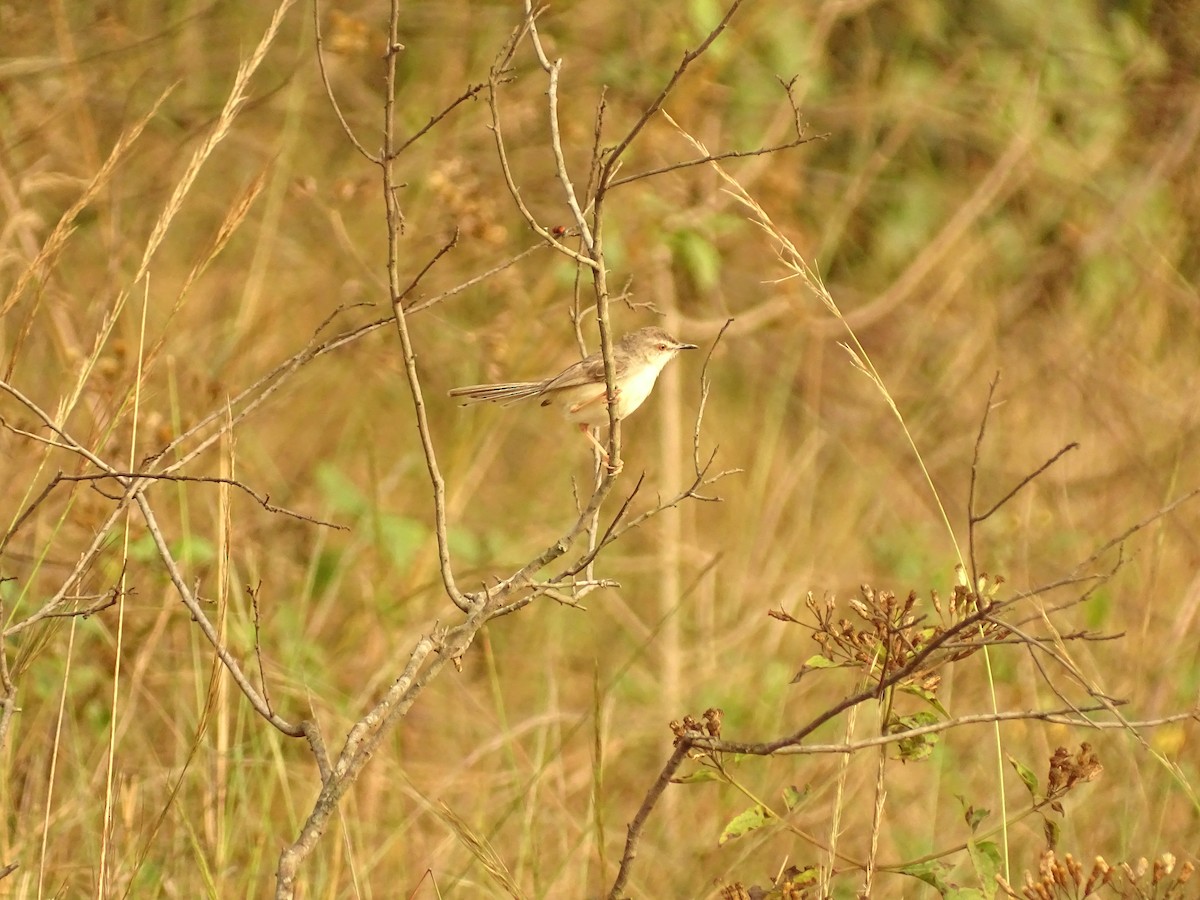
(1002, 188)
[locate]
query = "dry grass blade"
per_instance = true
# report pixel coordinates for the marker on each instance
(481, 849)
(219, 131)
(66, 224)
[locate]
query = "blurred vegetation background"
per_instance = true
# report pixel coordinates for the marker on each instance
(999, 186)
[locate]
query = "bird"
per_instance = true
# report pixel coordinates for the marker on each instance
(579, 391)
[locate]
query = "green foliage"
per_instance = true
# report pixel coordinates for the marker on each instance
(932, 872)
(1027, 776)
(916, 747)
(988, 862)
(743, 823)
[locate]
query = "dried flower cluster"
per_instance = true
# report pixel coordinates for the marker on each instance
(1065, 879)
(896, 632)
(711, 726)
(1066, 771)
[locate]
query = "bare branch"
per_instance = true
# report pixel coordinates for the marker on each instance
(252, 593)
(714, 157)
(337, 109)
(264, 500)
(206, 627)
(446, 248)
(497, 75)
(704, 386)
(396, 296)
(614, 156)
(1027, 479)
(470, 93)
(1136, 527)
(637, 826)
(971, 520)
(560, 161)
(99, 539)
(471, 282)
(68, 442)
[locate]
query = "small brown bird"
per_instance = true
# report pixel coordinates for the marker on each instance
(579, 390)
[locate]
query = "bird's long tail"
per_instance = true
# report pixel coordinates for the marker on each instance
(506, 392)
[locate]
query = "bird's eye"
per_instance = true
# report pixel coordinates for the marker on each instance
(662, 346)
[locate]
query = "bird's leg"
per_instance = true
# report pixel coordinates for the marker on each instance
(587, 433)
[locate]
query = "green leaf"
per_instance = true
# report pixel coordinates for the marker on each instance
(1052, 831)
(820, 662)
(698, 777)
(806, 877)
(928, 696)
(795, 878)
(743, 823)
(972, 816)
(815, 662)
(1026, 775)
(916, 747)
(975, 817)
(985, 857)
(931, 872)
(794, 796)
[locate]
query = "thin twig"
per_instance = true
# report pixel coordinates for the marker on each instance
(1136, 527)
(206, 627)
(252, 593)
(261, 390)
(614, 156)
(337, 108)
(469, 94)
(497, 75)
(264, 500)
(471, 282)
(394, 219)
(446, 248)
(560, 161)
(704, 388)
(1027, 479)
(714, 157)
(971, 520)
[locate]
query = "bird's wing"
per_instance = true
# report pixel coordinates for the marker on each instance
(589, 370)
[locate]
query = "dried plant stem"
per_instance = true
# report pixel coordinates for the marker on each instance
(835, 821)
(219, 131)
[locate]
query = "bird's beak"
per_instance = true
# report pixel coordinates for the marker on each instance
(687, 347)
